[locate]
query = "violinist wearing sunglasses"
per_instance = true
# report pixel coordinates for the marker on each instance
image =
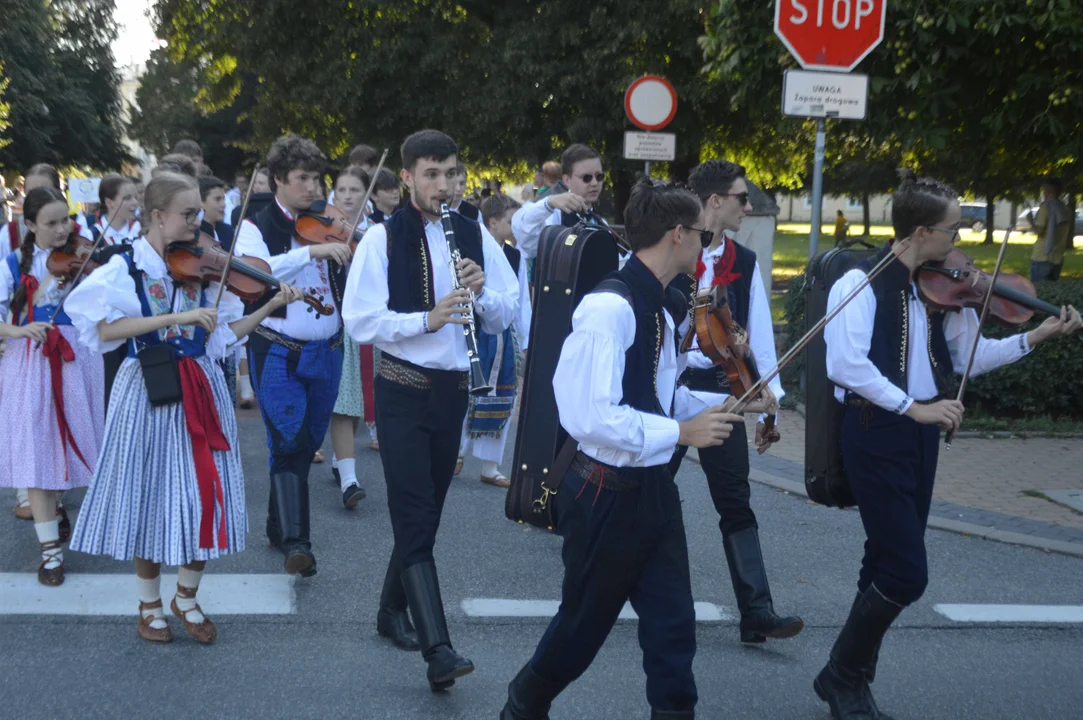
(582, 174)
(722, 188)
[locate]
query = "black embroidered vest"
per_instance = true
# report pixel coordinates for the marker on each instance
(514, 257)
(409, 265)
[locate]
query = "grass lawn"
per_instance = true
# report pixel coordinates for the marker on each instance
(791, 254)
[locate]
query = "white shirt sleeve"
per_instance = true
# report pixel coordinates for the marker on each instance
(588, 385)
(106, 294)
(527, 224)
(364, 308)
(849, 337)
(762, 333)
(526, 312)
(221, 342)
(959, 331)
(7, 289)
(285, 267)
(498, 304)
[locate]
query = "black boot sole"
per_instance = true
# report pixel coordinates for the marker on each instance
(756, 637)
(302, 564)
(448, 679)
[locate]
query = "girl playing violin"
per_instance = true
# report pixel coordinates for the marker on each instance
(354, 395)
(50, 385)
(892, 360)
(168, 486)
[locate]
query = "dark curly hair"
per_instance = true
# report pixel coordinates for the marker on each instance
(293, 152)
(654, 209)
(919, 202)
(714, 177)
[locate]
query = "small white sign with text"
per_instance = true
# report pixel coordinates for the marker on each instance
(843, 96)
(654, 146)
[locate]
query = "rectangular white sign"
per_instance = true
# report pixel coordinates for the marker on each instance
(650, 146)
(825, 94)
(84, 189)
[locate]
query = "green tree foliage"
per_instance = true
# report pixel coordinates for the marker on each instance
(63, 87)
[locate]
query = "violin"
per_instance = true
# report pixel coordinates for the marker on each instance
(326, 225)
(958, 283)
(66, 262)
(203, 260)
(725, 342)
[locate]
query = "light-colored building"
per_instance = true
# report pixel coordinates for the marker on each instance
(798, 208)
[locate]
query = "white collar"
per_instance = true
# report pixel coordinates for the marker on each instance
(282, 207)
(717, 252)
(40, 251)
(148, 260)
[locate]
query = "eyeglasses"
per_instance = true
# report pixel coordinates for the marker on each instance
(191, 217)
(742, 197)
(597, 177)
(953, 230)
(705, 236)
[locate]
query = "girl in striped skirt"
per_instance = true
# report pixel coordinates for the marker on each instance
(168, 486)
(50, 386)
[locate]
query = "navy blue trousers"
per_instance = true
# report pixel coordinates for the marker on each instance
(891, 463)
(726, 468)
(296, 393)
(624, 546)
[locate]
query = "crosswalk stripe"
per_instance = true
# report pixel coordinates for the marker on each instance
(115, 594)
(1012, 613)
(504, 607)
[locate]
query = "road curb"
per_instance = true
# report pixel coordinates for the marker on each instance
(939, 523)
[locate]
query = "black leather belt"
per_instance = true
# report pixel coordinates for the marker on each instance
(605, 476)
(335, 341)
(711, 380)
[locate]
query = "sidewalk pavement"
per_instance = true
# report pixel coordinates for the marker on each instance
(987, 487)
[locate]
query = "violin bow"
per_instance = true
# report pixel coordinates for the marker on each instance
(977, 334)
(368, 191)
(236, 235)
(754, 391)
(82, 268)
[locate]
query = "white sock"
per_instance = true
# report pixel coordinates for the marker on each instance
(151, 591)
(245, 383)
(334, 460)
(22, 496)
(50, 532)
(347, 473)
(189, 579)
(490, 469)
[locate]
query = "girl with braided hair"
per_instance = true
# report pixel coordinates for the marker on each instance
(50, 382)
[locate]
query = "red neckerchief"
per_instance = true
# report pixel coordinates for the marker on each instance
(723, 266)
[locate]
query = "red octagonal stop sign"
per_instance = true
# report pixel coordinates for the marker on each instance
(830, 34)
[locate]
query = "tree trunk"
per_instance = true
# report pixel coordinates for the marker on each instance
(865, 213)
(990, 213)
(1072, 228)
(1013, 216)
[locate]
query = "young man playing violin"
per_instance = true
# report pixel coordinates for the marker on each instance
(295, 355)
(723, 190)
(892, 361)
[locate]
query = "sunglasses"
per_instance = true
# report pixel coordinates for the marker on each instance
(599, 177)
(742, 197)
(705, 236)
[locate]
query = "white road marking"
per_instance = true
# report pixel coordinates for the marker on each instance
(116, 594)
(502, 607)
(1012, 613)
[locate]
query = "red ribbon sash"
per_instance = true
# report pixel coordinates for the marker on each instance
(201, 417)
(368, 371)
(58, 351)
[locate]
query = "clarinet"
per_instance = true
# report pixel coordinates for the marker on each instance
(478, 383)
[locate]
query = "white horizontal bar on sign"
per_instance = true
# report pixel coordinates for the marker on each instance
(116, 594)
(1012, 613)
(506, 608)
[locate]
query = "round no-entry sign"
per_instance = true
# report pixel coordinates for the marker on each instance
(650, 102)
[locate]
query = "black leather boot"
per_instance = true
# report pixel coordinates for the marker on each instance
(290, 496)
(274, 531)
(529, 696)
(758, 618)
(843, 683)
(673, 714)
(392, 621)
(423, 596)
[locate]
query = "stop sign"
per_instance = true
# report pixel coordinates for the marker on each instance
(830, 34)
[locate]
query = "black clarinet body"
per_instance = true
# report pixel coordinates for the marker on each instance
(479, 385)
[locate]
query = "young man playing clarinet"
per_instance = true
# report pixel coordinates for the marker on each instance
(619, 510)
(401, 296)
(723, 190)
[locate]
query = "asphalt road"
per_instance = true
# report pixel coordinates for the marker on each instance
(325, 660)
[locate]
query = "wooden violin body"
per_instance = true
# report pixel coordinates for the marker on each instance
(958, 283)
(204, 260)
(326, 225)
(65, 262)
(726, 343)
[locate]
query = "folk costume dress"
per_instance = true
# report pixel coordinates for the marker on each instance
(50, 395)
(168, 486)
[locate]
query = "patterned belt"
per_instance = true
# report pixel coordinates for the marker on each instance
(296, 345)
(602, 475)
(409, 375)
(711, 380)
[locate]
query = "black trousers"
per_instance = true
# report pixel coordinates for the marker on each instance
(624, 545)
(113, 360)
(419, 432)
(891, 463)
(726, 468)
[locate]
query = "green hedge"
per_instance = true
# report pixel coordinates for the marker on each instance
(1049, 381)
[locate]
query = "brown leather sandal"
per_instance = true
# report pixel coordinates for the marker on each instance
(22, 510)
(498, 480)
(153, 634)
(204, 632)
(51, 577)
(458, 466)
